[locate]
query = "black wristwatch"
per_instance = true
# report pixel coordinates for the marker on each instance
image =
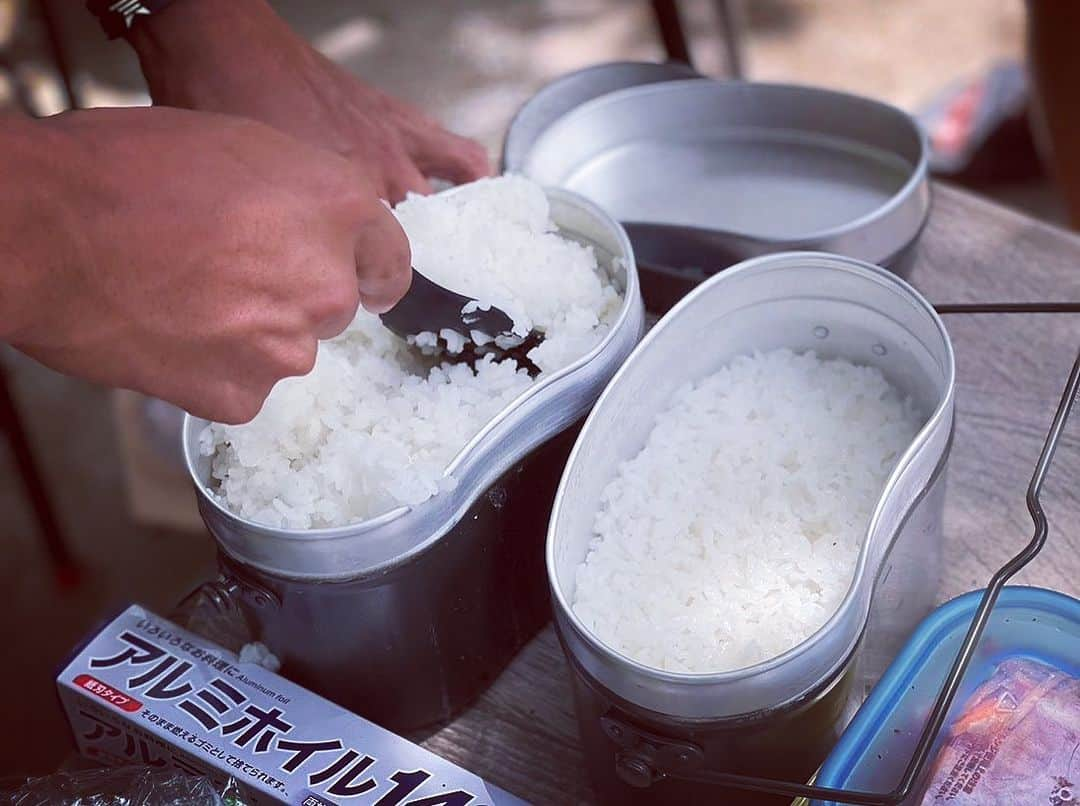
(117, 17)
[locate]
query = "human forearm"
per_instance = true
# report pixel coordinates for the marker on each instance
(190, 25)
(215, 39)
(38, 229)
(238, 57)
(195, 257)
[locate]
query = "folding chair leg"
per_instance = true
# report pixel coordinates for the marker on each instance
(670, 28)
(731, 29)
(63, 564)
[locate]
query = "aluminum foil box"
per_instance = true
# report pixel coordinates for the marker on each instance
(144, 691)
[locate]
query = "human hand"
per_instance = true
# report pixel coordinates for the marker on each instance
(193, 257)
(238, 57)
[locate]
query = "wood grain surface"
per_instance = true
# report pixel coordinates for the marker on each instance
(522, 734)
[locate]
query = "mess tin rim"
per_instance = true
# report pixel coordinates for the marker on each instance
(914, 448)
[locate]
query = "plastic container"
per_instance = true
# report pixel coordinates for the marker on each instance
(646, 732)
(1026, 622)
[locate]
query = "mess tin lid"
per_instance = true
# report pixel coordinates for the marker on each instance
(1032, 623)
(570, 91)
(704, 173)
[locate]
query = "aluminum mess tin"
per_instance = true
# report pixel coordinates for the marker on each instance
(1031, 623)
(704, 174)
(406, 617)
(643, 727)
(572, 90)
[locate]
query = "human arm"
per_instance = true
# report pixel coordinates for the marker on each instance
(238, 57)
(193, 257)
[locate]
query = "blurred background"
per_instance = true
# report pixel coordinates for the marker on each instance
(89, 473)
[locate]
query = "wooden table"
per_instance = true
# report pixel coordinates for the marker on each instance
(522, 734)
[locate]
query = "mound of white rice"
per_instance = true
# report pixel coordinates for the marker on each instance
(375, 425)
(733, 535)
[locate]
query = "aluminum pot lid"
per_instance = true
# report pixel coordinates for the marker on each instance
(706, 173)
(570, 91)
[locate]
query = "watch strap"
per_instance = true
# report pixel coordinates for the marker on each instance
(117, 17)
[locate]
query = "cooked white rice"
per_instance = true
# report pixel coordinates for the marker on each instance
(258, 653)
(733, 535)
(375, 425)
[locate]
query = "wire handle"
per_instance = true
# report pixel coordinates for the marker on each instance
(967, 649)
(997, 582)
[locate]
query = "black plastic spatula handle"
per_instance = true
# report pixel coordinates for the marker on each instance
(429, 308)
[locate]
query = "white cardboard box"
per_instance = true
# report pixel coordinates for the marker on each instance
(144, 691)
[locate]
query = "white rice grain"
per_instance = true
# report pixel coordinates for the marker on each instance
(375, 424)
(733, 535)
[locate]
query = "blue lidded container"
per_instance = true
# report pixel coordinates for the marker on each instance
(1026, 622)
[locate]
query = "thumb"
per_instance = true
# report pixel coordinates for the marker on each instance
(383, 262)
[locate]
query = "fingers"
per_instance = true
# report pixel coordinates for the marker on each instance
(332, 304)
(436, 151)
(383, 261)
(391, 175)
(235, 393)
(231, 403)
(404, 177)
(445, 155)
